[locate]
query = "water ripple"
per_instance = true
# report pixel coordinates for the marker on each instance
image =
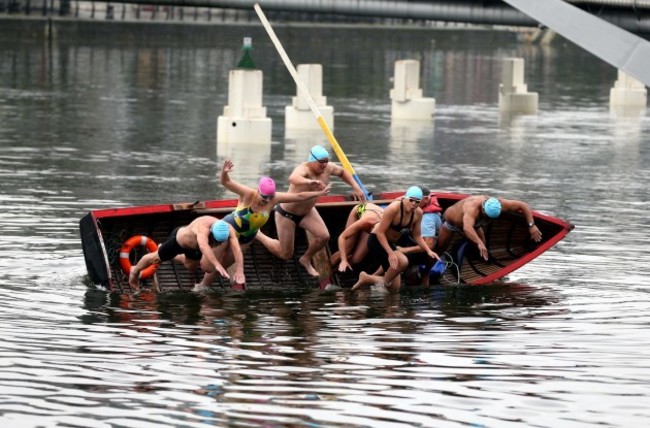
(560, 342)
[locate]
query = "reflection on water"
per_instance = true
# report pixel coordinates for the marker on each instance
(409, 139)
(99, 124)
(351, 359)
(338, 358)
(298, 143)
(250, 159)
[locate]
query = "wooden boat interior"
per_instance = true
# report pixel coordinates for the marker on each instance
(105, 231)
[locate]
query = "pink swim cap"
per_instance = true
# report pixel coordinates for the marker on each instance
(266, 186)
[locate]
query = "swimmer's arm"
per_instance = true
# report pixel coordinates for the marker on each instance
(351, 231)
(468, 229)
(358, 193)
(231, 184)
(301, 196)
(204, 245)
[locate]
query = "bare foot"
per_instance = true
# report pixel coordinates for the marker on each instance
(328, 285)
(133, 281)
(380, 288)
(363, 280)
(306, 262)
(198, 288)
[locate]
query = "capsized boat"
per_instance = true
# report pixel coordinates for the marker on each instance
(105, 232)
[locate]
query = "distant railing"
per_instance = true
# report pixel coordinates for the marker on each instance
(123, 11)
(631, 15)
(31, 7)
(120, 10)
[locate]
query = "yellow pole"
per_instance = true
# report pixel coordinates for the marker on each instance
(305, 92)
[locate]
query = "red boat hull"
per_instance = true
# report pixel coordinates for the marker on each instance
(104, 231)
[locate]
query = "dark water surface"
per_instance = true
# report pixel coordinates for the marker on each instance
(103, 123)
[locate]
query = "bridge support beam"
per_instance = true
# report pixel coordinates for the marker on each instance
(244, 118)
(406, 95)
(299, 115)
(513, 92)
(628, 91)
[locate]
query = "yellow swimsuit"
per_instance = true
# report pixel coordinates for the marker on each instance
(246, 223)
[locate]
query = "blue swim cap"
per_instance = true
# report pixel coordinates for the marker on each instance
(318, 153)
(220, 230)
(414, 192)
(492, 207)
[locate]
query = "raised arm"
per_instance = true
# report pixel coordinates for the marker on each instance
(231, 184)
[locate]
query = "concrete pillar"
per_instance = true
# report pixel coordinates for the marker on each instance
(406, 95)
(298, 116)
(628, 92)
(244, 118)
(513, 92)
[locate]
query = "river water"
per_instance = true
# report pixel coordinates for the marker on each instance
(101, 121)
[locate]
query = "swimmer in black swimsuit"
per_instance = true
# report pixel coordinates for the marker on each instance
(254, 206)
(312, 175)
(190, 245)
(400, 216)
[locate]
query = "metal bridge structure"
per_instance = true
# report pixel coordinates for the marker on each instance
(630, 15)
(614, 30)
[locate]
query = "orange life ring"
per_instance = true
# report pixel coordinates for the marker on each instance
(129, 245)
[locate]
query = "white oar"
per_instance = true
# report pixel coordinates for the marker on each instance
(312, 105)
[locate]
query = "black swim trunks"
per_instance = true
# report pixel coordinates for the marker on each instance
(419, 258)
(171, 248)
(291, 216)
(377, 253)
